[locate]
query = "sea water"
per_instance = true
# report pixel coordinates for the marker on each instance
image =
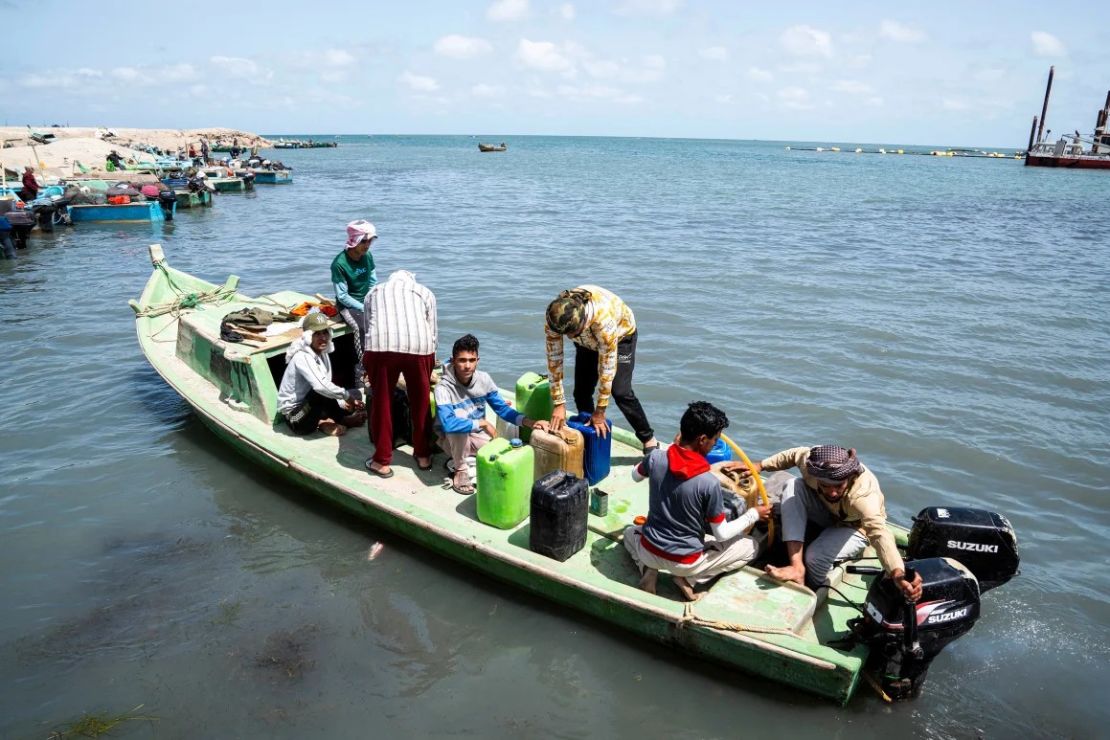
(946, 317)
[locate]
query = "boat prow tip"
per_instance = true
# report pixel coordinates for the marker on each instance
(156, 254)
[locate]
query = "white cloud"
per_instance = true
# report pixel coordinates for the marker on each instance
(507, 10)
(419, 83)
(462, 47)
(543, 55)
(896, 31)
(244, 69)
(338, 58)
(759, 75)
(127, 74)
(807, 41)
(482, 90)
(795, 97)
(1047, 45)
(648, 7)
(714, 53)
(852, 87)
(86, 72)
(598, 92)
(567, 12)
(954, 104)
(723, 98)
(874, 102)
(174, 73)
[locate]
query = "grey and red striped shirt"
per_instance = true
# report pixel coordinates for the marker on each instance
(401, 316)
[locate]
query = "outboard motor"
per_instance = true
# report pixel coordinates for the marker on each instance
(905, 637)
(959, 553)
(982, 540)
(168, 199)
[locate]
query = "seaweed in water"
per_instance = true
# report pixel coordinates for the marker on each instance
(95, 725)
(285, 652)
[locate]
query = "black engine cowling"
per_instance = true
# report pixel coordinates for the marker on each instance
(982, 540)
(901, 651)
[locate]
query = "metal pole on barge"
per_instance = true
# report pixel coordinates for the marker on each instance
(1032, 133)
(1044, 109)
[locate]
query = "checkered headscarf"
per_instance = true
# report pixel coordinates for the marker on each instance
(829, 462)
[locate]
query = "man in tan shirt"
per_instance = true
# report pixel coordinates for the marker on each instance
(838, 493)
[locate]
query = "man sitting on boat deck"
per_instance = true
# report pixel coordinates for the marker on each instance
(461, 396)
(684, 496)
(840, 495)
(402, 327)
(603, 330)
(307, 398)
(352, 274)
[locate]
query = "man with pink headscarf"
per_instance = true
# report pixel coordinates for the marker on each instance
(352, 273)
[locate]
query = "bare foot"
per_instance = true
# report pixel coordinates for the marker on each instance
(797, 574)
(648, 580)
(687, 589)
(332, 429)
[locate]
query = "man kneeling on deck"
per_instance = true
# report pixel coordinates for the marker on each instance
(307, 398)
(841, 496)
(684, 497)
(461, 396)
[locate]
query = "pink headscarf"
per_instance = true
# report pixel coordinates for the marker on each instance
(359, 230)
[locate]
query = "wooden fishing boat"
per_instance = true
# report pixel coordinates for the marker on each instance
(782, 632)
(231, 184)
(193, 198)
(272, 177)
(492, 147)
(746, 620)
(147, 211)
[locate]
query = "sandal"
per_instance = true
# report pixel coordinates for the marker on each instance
(425, 467)
(377, 471)
(465, 487)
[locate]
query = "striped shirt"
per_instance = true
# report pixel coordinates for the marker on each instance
(608, 320)
(401, 317)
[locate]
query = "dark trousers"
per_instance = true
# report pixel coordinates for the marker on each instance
(306, 418)
(383, 369)
(586, 376)
(6, 245)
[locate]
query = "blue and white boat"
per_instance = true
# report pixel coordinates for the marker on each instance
(147, 211)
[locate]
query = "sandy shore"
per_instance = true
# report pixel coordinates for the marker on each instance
(90, 146)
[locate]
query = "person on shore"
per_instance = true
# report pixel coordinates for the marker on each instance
(603, 330)
(204, 151)
(684, 496)
(353, 275)
(307, 398)
(401, 332)
(30, 189)
(461, 396)
(841, 496)
(115, 161)
(192, 151)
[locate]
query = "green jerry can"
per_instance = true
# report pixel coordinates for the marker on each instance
(504, 482)
(533, 399)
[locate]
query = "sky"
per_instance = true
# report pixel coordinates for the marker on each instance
(939, 73)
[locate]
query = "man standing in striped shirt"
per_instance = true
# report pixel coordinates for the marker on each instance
(401, 334)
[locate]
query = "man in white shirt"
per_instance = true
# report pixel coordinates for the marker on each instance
(401, 334)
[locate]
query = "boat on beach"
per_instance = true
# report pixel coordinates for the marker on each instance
(492, 147)
(746, 620)
(1069, 150)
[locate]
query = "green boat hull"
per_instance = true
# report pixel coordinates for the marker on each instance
(193, 198)
(781, 632)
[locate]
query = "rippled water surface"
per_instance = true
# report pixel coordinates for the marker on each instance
(946, 317)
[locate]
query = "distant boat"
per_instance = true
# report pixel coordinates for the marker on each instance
(1068, 151)
(493, 147)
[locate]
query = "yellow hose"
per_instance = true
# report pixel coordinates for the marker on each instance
(758, 483)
